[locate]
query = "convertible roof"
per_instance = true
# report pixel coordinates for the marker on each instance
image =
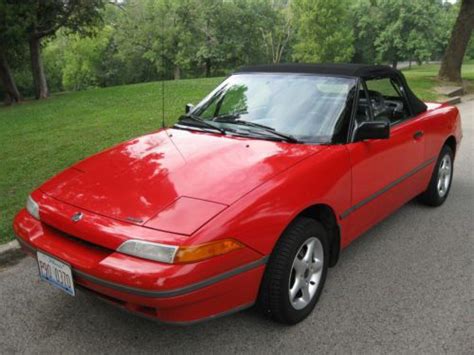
(364, 71)
(358, 70)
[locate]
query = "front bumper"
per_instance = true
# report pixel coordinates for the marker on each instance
(171, 293)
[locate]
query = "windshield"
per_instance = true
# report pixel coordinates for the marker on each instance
(309, 108)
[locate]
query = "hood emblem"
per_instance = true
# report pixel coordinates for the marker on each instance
(76, 217)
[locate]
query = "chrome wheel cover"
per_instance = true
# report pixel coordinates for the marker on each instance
(306, 273)
(444, 175)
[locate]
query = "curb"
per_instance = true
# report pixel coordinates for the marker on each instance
(453, 100)
(9, 251)
(450, 91)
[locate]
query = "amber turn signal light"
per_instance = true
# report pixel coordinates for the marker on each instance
(190, 254)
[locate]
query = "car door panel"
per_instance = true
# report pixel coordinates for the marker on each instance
(384, 174)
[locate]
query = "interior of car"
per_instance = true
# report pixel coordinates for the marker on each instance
(385, 99)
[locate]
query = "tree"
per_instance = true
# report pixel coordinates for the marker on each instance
(11, 34)
(136, 31)
(461, 34)
(470, 49)
(366, 22)
(183, 38)
(228, 34)
(12, 95)
(324, 32)
(423, 22)
(210, 51)
(395, 30)
(396, 37)
(180, 34)
(444, 25)
(160, 37)
(239, 42)
(275, 23)
(82, 62)
(44, 18)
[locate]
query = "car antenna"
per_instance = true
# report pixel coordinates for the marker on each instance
(163, 71)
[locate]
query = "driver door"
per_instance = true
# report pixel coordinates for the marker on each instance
(384, 171)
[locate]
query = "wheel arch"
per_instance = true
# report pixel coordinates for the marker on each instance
(451, 143)
(324, 214)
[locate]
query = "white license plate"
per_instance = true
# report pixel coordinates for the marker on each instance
(56, 273)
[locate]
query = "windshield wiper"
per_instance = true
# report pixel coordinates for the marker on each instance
(233, 118)
(202, 122)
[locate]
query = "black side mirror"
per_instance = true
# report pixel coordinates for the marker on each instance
(188, 108)
(379, 129)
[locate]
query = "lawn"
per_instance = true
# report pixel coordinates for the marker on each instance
(39, 139)
(422, 79)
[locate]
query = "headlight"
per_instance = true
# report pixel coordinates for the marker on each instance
(32, 207)
(173, 254)
(147, 250)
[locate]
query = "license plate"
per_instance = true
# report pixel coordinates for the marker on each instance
(56, 273)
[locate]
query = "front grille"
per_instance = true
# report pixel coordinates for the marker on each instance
(79, 240)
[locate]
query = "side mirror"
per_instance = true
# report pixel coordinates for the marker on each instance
(188, 108)
(379, 129)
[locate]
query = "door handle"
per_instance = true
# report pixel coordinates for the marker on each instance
(418, 134)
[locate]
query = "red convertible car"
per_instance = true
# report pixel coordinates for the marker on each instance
(249, 198)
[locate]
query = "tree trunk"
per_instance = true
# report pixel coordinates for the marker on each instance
(12, 94)
(394, 63)
(177, 73)
(452, 61)
(208, 67)
(39, 79)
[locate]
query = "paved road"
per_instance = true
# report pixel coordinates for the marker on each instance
(406, 286)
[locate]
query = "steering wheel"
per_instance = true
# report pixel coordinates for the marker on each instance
(378, 104)
(398, 111)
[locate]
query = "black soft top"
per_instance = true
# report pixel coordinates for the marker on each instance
(363, 71)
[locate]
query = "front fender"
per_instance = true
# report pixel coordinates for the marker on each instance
(259, 218)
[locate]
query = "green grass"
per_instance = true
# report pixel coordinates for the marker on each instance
(40, 138)
(422, 79)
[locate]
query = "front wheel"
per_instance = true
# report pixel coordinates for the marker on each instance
(441, 179)
(296, 272)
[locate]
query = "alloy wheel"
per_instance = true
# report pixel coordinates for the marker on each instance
(444, 175)
(306, 273)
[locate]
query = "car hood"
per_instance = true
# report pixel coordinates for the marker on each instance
(173, 173)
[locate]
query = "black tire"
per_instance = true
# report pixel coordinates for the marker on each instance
(432, 196)
(274, 299)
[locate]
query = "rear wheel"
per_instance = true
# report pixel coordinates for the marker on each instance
(296, 272)
(441, 179)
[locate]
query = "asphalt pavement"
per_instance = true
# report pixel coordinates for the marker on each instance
(404, 287)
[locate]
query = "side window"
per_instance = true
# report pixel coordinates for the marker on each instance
(386, 100)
